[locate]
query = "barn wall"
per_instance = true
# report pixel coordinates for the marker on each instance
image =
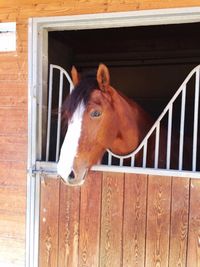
(13, 108)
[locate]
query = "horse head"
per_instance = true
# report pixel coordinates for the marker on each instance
(92, 124)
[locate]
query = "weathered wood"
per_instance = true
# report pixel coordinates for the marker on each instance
(12, 174)
(69, 217)
(134, 220)
(15, 201)
(111, 220)
(13, 148)
(12, 252)
(158, 221)
(90, 217)
(55, 8)
(179, 222)
(49, 212)
(13, 88)
(193, 253)
(14, 82)
(13, 121)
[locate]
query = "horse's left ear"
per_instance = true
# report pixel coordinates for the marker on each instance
(75, 76)
(103, 77)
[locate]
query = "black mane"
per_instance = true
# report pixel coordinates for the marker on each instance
(81, 93)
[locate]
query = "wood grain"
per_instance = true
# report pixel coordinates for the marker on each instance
(57, 8)
(49, 212)
(193, 253)
(14, 88)
(90, 217)
(134, 220)
(179, 221)
(158, 221)
(13, 121)
(12, 174)
(12, 252)
(13, 147)
(69, 217)
(111, 220)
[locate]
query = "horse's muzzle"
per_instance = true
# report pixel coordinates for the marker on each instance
(73, 180)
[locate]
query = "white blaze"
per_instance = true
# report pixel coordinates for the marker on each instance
(70, 144)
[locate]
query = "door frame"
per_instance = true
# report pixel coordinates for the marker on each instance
(38, 29)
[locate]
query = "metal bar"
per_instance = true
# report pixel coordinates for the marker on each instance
(169, 137)
(121, 162)
(34, 43)
(195, 129)
(133, 161)
(144, 161)
(36, 219)
(50, 168)
(148, 171)
(182, 125)
(109, 159)
(49, 111)
(59, 115)
(157, 145)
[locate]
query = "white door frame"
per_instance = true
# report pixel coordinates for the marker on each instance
(37, 69)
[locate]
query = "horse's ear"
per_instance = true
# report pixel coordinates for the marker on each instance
(75, 76)
(103, 77)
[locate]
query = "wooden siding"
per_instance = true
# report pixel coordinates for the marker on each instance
(13, 125)
(120, 220)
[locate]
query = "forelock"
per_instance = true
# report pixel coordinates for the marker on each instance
(80, 94)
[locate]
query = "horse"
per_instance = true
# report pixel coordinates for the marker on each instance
(98, 118)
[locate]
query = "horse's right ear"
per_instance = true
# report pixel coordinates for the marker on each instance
(103, 77)
(75, 76)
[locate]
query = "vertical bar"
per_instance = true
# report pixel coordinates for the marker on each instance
(169, 137)
(109, 159)
(144, 161)
(157, 145)
(121, 162)
(59, 115)
(182, 125)
(195, 129)
(133, 161)
(49, 111)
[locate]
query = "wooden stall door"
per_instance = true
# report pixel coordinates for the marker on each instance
(118, 219)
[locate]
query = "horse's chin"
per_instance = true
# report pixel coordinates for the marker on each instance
(75, 181)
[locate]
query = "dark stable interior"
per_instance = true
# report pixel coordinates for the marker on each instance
(146, 63)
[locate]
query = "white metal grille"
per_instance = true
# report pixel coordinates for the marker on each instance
(62, 73)
(155, 132)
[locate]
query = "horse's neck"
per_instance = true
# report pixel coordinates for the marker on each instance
(133, 124)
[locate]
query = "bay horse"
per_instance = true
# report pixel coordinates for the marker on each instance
(98, 118)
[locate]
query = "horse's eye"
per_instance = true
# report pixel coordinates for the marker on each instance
(95, 113)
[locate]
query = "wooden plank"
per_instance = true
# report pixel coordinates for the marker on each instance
(193, 254)
(179, 221)
(13, 88)
(134, 220)
(15, 122)
(13, 101)
(54, 8)
(12, 225)
(69, 226)
(37, 5)
(12, 252)
(13, 147)
(13, 174)
(16, 202)
(90, 217)
(111, 220)
(49, 211)
(158, 221)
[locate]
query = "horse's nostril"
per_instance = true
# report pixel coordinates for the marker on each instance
(72, 175)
